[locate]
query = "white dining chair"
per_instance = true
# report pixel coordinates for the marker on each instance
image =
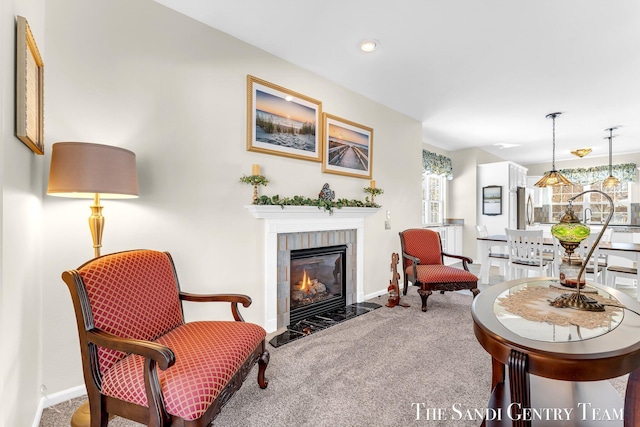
(548, 253)
(500, 259)
(619, 271)
(526, 253)
(603, 259)
(615, 272)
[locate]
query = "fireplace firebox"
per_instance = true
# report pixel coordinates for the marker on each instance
(317, 281)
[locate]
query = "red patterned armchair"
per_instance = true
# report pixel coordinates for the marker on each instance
(128, 309)
(422, 264)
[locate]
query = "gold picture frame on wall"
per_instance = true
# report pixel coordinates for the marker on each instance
(347, 147)
(283, 122)
(29, 89)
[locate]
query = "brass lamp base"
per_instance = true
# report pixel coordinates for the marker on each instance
(577, 301)
(82, 416)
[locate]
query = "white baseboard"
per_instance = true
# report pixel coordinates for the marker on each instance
(62, 396)
(375, 294)
(55, 398)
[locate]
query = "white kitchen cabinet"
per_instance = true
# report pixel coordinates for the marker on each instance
(536, 192)
(509, 176)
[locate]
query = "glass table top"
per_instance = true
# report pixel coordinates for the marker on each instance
(525, 310)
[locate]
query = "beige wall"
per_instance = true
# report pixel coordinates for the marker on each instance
(21, 180)
(462, 192)
(140, 76)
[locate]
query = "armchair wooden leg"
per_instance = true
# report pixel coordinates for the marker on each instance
(263, 361)
(424, 294)
(406, 285)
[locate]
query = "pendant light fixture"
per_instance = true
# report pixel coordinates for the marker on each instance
(553, 177)
(612, 181)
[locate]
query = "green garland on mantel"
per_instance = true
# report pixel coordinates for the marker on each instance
(325, 204)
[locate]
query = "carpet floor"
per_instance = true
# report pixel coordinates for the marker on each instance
(373, 370)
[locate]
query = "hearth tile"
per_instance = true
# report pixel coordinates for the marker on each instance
(319, 322)
(368, 305)
(285, 338)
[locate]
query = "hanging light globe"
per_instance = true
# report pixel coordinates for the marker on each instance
(570, 231)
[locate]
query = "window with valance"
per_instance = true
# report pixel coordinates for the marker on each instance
(591, 179)
(436, 164)
(586, 176)
(436, 170)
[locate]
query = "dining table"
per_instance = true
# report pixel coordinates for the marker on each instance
(629, 251)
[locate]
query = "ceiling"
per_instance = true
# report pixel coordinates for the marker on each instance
(475, 73)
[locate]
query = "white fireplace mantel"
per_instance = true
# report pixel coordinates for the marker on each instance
(299, 219)
(301, 212)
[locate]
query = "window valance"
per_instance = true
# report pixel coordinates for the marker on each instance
(585, 176)
(435, 164)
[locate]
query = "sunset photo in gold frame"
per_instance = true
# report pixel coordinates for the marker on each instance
(29, 89)
(283, 122)
(347, 147)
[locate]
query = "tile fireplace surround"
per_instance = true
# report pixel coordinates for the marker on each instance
(304, 219)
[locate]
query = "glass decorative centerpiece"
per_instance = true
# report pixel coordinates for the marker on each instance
(570, 232)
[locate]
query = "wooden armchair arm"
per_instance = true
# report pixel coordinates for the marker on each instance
(159, 353)
(155, 355)
(414, 262)
(465, 260)
(234, 299)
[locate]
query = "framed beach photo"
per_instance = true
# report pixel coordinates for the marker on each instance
(29, 89)
(347, 147)
(282, 122)
(492, 200)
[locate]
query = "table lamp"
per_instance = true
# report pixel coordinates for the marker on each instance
(570, 232)
(86, 170)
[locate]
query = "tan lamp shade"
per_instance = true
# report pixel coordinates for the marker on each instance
(82, 169)
(611, 181)
(552, 178)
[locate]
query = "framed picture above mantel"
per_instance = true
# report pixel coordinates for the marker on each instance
(347, 147)
(492, 200)
(282, 122)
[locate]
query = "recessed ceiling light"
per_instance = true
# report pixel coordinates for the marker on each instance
(369, 45)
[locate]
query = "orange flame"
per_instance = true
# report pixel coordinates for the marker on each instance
(306, 282)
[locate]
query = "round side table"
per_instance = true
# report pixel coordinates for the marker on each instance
(549, 364)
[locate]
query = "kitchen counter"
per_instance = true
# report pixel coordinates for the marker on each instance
(448, 222)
